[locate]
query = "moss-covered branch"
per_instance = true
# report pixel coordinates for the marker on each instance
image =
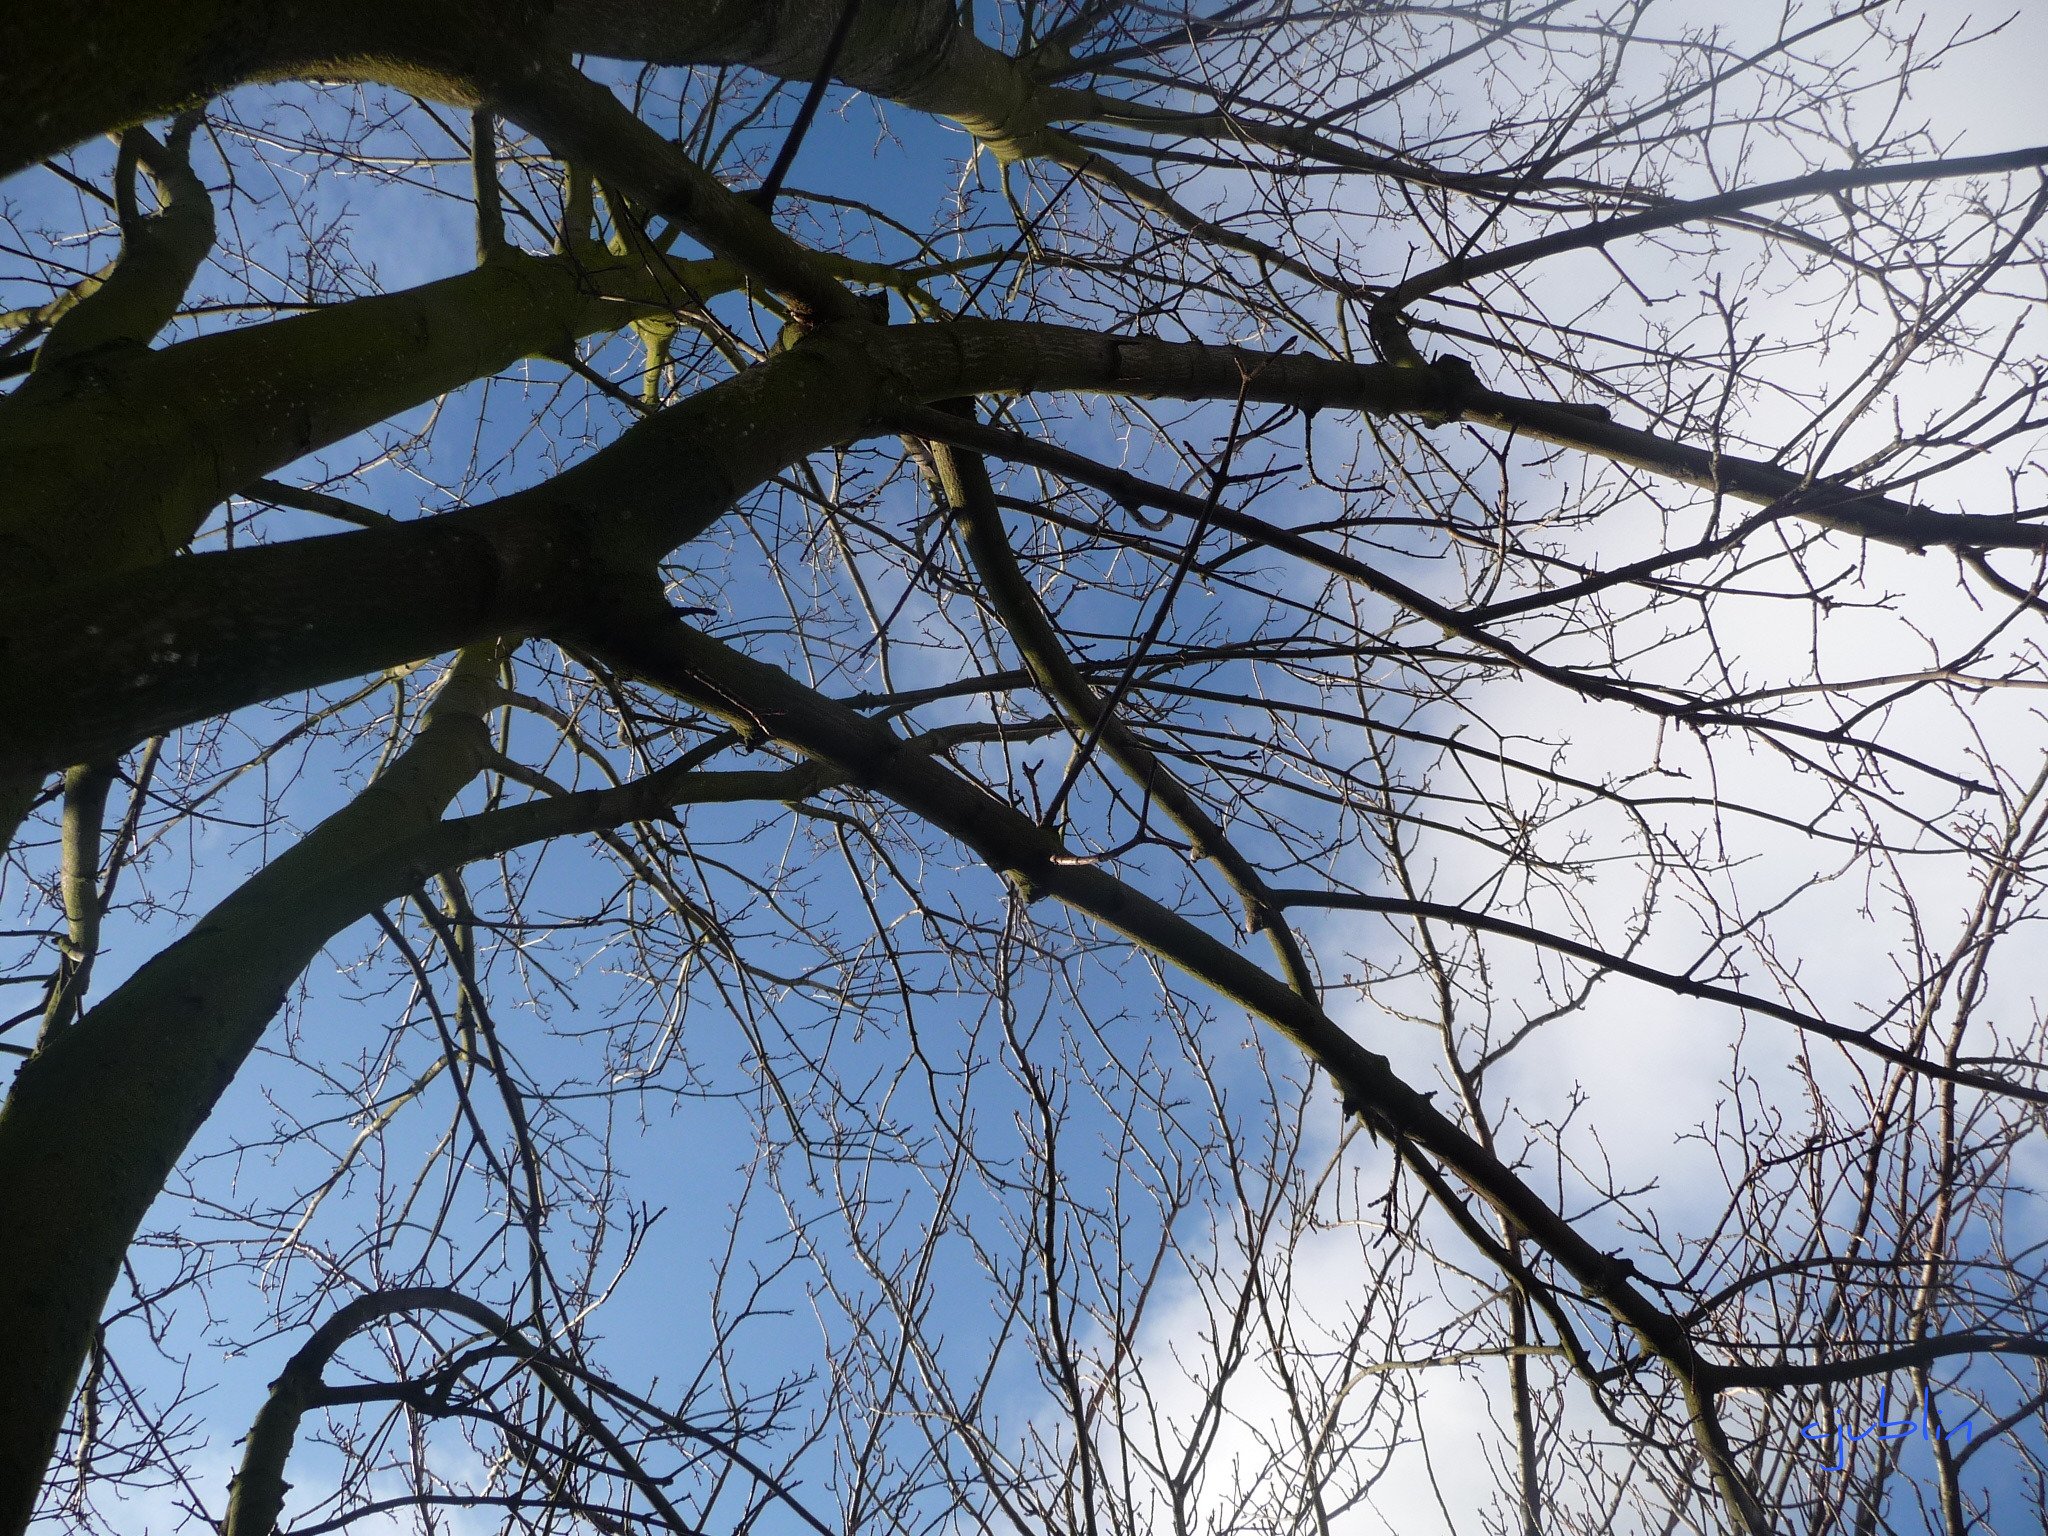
(176, 641)
(97, 1119)
(86, 674)
(152, 61)
(160, 253)
(85, 807)
(919, 53)
(117, 466)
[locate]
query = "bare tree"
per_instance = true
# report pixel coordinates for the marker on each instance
(667, 864)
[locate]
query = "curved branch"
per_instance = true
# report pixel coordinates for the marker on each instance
(157, 1053)
(96, 1120)
(160, 254)
(184, 639)
(256, 1492)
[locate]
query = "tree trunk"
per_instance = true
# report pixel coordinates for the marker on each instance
(96, 1120)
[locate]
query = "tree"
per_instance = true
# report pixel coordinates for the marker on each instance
(1465, 535)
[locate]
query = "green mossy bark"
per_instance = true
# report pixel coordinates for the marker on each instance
(148, 59)
(113, 460)
(135, 298)
(86, 673)
(97, 1120)
(84, 824)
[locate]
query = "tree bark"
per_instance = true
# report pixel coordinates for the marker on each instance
(151, 59)
(96, 1120)
(114, 464)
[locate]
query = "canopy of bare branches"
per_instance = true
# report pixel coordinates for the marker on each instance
(1030, 766)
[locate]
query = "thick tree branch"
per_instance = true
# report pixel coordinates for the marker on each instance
(120, 466)
(177, 641)
(160, 254)
(182, 640)
(96, 1120)
(154, 1057)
